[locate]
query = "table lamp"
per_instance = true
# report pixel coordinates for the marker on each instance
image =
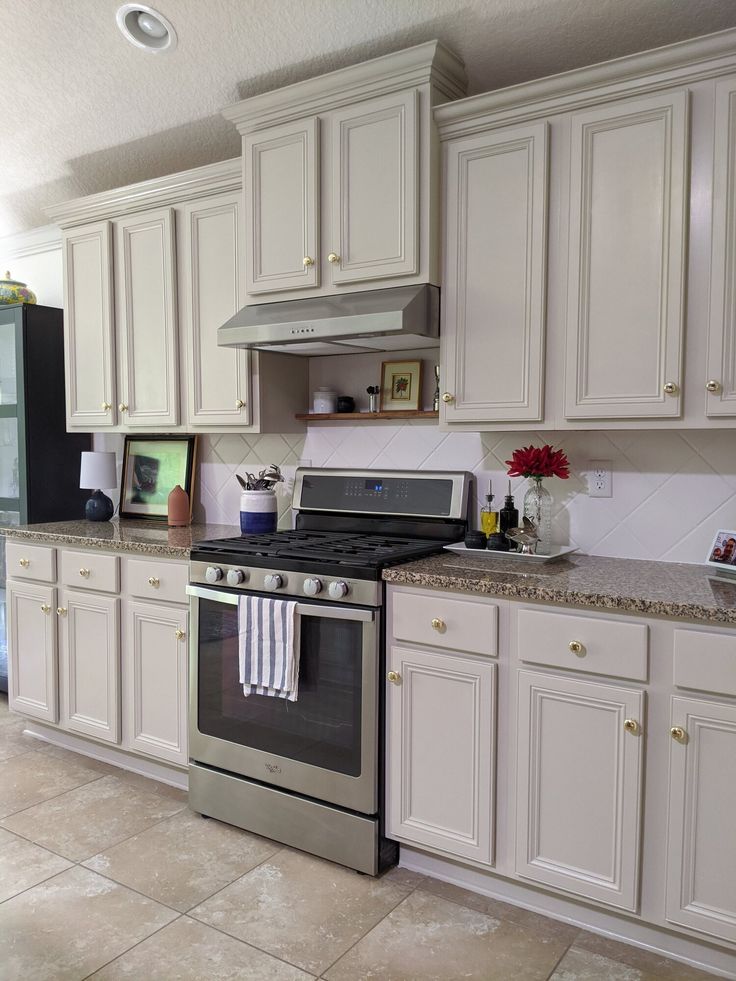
(98, 469)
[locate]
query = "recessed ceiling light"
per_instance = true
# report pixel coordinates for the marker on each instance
(146, 28)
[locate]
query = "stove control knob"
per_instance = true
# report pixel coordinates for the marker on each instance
(272, 582)
(312, 586)
(213, 573)
(235, 577)
(338, 589)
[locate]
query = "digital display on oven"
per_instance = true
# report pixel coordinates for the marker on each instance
(377, 495)
(374, 485)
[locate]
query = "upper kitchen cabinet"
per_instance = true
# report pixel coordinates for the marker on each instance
(342, 177)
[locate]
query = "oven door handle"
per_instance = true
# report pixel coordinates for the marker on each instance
(303, 609)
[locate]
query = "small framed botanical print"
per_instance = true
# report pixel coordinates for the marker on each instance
(401, 386)
(722, 552)
(152, 467)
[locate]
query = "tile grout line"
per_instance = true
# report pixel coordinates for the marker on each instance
(112, 960)
(563, 955)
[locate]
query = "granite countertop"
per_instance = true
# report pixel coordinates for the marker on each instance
(667, 589)
(142, 537)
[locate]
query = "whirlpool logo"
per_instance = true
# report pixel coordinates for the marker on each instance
(273, 768)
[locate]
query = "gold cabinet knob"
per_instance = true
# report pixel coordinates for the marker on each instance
(670, 388)
(84, 573)
(439, 625)
(45, 608)
(713, 386)
(394, 677)
(61, 611)
(239, 404)
(679, 734)
(447, 397)
(577, 647)
(106, 406)
(179, 633)
(632, 726)
(333, 257)
(154, 581)
(307, 261)
(24, 563)
(123, 407)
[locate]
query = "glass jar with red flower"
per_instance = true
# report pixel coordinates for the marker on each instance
(535, 463)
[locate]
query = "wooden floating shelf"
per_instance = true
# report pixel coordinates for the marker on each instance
(365, 416)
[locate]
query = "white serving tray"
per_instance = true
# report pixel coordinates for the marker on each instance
(486, 553)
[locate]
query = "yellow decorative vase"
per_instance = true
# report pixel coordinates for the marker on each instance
(12, 291)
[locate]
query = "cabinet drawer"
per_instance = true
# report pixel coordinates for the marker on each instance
(442, 621)
(90, 570)
(31, 561)
(157, 580)
(583, 643)
(705, 661)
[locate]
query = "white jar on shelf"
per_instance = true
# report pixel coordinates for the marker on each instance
(324, 400)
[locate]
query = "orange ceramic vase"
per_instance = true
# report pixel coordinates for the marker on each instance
(179, 507)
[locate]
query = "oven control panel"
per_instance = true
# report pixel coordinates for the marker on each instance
(329, 589)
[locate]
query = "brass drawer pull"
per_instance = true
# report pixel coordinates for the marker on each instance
(61, 611)
(307, 261)
(439, 625)
(45, 608)
(84, 573)
(180, 635)
(448, 397)
(106, 406)
(713, 386)
(394, 677)
(154, 581)
(24, 563)
(577, 647)
(239, 404)
(632, 726)
(333, 257)
(670, 388)
(679, 734)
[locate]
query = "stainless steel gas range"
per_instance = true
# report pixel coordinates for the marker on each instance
(310, 773)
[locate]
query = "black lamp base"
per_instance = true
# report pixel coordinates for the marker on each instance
(99, 507)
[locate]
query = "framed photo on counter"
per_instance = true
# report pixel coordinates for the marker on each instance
(152, 467)
(722, 553)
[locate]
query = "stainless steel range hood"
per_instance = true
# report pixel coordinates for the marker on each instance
(398, 319)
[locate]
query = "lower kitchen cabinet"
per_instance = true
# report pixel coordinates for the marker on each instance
(89, 664)
(579, 773)
(155, 644)
(32, 654)
(441, 752)
(701, 846)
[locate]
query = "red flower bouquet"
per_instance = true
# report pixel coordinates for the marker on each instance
(538, 462)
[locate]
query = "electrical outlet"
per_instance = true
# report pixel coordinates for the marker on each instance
(600, 481)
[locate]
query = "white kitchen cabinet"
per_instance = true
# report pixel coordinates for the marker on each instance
(91, 390)
(493, 321)
(701, 845)
(626, 263)
(89, 663)
(211, 273)
(145, 315)
(720, 384)
(155, 642)
(579, 771)
(441, 752)
(375, 189)
(32, 652)
(281, 167)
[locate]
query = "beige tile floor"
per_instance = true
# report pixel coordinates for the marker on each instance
(109, 876)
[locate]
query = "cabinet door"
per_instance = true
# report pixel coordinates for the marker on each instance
(375, 185)
(32, 665)
(282, 207)
(701, 846)
(495, 274)
(626, 275)
(89, 350)
(579, 787)
(155, 644)
(90, 664)
(441, 752)
(212, 290)
(145, 303)
(721, 381)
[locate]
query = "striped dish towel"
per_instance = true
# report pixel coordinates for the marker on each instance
(268, 647)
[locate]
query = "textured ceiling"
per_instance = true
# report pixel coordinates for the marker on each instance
(84, 111)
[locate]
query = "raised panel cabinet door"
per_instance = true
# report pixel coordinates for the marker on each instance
(375, 187)
(156, 647)
(441, 752)
(89, 348)
(720, 385)
(281, 179)
(89, 659)
(212, 289)
(32, 657)
(701, 845)
(579, 772)
(495, 275)
(145, 302)
(627, 259)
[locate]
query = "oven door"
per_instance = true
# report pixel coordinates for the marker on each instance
(324, 745)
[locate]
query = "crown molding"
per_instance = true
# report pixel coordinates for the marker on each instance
(35, 241)
(675, 64)
(428, 63)
(160, 192)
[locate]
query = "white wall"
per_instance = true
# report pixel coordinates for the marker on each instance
(34, 258)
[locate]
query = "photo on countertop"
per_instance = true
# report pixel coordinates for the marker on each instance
(152, 467)
(722, 552)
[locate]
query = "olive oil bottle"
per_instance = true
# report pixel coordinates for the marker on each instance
(489, 517)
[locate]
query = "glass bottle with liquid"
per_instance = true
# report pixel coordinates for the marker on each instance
(489, 517)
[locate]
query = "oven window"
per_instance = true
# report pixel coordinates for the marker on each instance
(322, 728)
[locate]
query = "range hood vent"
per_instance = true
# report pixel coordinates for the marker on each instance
(398, 319)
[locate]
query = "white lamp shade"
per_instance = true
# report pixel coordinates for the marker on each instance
(98, 471)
